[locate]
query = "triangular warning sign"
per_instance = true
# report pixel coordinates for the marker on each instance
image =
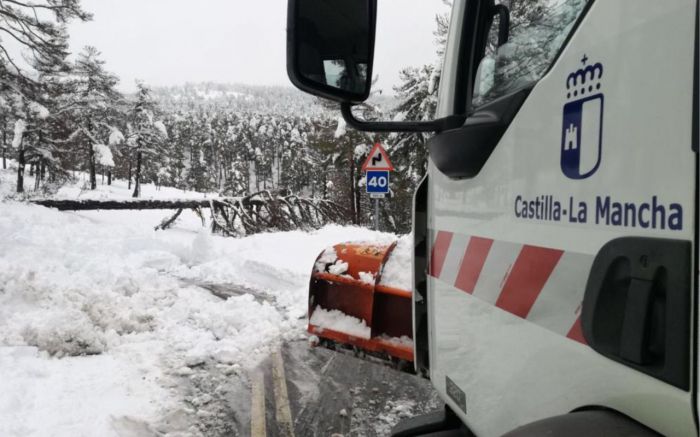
(377, 159)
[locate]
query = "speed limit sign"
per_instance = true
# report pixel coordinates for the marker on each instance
(377, 182)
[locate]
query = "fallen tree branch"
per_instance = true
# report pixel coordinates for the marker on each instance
(88, 204)
(264, 211)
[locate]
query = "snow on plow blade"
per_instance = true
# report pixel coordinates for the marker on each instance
(349, 305)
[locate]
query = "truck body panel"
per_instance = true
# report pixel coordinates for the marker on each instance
(511, 249)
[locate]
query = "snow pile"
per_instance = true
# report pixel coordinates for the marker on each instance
(103, 321)
(67, 332)
(76, 396)
(398, 341)
(329, 256)
(397, 270)
(394, 412)
(338, 268)
(367, 278)
(341, 322)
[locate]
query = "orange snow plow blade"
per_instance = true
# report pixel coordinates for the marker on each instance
(348, 305)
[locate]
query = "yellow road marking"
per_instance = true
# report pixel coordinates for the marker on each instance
(283, 414)
(257, 407)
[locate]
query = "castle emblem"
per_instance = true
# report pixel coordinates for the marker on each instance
(582, 130)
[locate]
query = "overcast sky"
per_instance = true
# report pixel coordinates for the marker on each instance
(170, 42)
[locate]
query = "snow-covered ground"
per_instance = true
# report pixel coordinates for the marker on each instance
(79, 188)
(104, 322)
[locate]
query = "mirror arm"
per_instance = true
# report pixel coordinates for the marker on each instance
(504, 23)
(437, 126)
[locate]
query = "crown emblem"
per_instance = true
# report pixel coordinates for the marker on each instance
(584, 81)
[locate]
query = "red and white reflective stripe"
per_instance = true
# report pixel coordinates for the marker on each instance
(542, 285)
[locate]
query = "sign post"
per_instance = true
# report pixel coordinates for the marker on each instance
(377, 168)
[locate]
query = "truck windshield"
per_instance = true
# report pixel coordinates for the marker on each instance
(538, 30)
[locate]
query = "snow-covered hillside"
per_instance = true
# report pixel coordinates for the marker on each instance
(104, 321)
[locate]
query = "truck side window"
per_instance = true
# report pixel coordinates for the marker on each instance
(538, 29)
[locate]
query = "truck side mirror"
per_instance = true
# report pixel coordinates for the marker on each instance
(330, 47)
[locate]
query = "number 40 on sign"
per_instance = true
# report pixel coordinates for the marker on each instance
(378, 182)
(377, 167)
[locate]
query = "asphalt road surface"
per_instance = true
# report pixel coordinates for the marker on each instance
(303, 391)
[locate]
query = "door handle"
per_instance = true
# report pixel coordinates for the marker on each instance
(636, 308)
(636, 326)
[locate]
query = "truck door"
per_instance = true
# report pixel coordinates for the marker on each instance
(562, 215)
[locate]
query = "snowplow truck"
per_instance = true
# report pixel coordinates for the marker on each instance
(555, 236)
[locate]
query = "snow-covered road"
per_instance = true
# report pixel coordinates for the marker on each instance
(110, 328)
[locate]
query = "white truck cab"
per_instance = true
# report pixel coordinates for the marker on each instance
(556, 271)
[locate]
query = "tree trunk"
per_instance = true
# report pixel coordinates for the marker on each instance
(137, 176)
(37, 179)
(129, 156)
(31, 169)
(4, 149)
(37, 174)
(20, 170)
(358, 199)
(89, 205)
(109, 177)
(91, 163)
(353, 204)
(42, 174)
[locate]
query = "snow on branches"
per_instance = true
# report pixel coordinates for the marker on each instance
(116, 137)
(103, 155)
(20, 128)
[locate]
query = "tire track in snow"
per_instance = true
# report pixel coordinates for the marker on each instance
(225, 291)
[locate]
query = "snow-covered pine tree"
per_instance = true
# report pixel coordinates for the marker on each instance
(95, 108)
(38, 27)
(5, 133)
(32, 133)
(348, 149)
(53, 122)
(146, 133)
(417, 95)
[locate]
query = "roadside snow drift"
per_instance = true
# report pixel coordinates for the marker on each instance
(103, 321)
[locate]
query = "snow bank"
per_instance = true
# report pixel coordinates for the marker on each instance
(102, 319)
(339, 321)
(75, 396)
